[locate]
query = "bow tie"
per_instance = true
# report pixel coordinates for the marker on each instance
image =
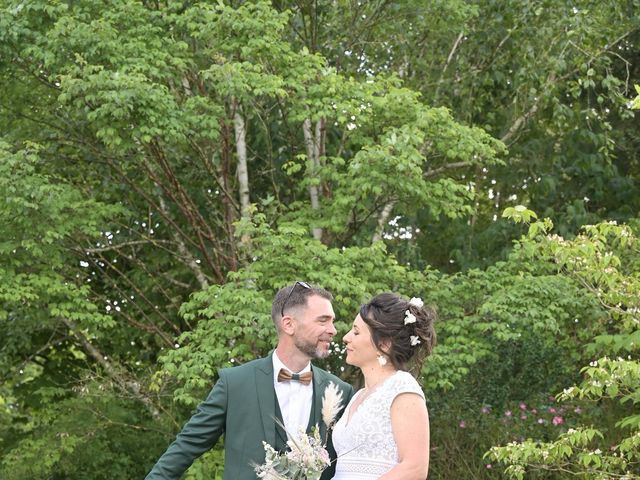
(285, 375)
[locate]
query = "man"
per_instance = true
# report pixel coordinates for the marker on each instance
(246, 400)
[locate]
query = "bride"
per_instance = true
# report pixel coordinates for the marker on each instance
(384, 431)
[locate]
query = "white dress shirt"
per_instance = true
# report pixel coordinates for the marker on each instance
(294, 398)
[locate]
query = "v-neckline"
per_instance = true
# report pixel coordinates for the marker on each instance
(351, 414)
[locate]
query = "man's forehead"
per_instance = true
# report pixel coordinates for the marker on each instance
(317, 300)
(320, 306)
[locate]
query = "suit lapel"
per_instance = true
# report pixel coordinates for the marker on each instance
(319, 384)
(266, 398)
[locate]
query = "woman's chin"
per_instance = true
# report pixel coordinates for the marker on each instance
(349, 361)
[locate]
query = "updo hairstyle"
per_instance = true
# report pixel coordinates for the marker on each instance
(385, 315)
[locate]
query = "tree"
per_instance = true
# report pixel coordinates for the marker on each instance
(168, 166)
(605, 260)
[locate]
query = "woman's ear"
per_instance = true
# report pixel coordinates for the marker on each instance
(385, 346)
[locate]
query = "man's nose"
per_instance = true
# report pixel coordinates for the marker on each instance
(332, 329)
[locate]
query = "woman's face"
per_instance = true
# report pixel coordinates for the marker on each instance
(360, 348)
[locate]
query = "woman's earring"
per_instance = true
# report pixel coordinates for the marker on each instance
(382, 360)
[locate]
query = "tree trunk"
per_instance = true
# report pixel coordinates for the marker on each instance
(241, 150)
(313, 140)
(240, 129)
(383, 219)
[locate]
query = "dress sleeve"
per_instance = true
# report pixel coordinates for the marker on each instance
(403, 382)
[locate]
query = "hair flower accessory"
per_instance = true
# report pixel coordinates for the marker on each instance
(409, 318)
(416, 302)
(415, 340)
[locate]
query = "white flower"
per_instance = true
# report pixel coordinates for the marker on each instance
(409, 318)
(307, 456)
(415, 340)
(331, 404)
(416, 302)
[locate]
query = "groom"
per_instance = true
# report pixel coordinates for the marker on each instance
(246, 399)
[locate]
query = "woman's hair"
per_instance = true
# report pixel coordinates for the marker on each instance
(408, 343)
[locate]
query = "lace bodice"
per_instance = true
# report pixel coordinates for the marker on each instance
(364, 443)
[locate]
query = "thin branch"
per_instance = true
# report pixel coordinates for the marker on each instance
(189, 260)
(450, 166)
(124, 383)
(125, 244)
(446, 65)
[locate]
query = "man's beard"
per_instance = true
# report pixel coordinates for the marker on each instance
(312, 350)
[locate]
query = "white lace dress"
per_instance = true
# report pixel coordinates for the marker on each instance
(364, 443)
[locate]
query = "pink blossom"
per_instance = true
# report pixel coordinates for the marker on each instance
(534, 411)
(557, 420)
(552, 410)
(523, 417)
(485, 410)
(488, 465)
(462, 424)
(523, 406)
(508, 413)
(578, 410)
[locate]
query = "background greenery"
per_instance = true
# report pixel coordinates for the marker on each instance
(165, 167)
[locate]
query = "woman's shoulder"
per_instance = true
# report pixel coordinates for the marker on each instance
(404, 382)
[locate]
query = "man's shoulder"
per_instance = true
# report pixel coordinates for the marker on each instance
(246, 368)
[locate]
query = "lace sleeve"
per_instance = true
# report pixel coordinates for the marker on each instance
(403, 382)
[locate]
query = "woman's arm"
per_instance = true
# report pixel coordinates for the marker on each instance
(410, 424)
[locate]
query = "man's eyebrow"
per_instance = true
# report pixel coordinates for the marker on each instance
(324, 317)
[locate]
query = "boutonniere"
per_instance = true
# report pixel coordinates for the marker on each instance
(331, 404)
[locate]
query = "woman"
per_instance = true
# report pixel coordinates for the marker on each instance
(384, 431)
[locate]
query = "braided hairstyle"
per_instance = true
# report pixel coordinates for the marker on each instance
(408, 344)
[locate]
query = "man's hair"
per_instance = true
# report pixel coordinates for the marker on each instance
(293, 296)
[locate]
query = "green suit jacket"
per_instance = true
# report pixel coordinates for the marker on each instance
(242, 406)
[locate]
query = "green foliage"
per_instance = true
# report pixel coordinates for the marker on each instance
(130, 273)
(42, 218)
(636, 101)
(593, 259)
(95, 435)
(233, 320)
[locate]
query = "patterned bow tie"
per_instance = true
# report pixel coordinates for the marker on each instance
(285, 375)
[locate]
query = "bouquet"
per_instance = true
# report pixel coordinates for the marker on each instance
(307, 457)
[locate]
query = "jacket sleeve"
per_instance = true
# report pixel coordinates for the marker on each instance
(198, 435)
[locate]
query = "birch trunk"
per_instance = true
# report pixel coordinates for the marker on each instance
(240, 129)
(241, 150)
(383, 219)
(312, 140)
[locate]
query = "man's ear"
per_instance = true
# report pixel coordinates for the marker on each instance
(287, 325)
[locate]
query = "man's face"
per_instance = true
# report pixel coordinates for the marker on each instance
(314, 328)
